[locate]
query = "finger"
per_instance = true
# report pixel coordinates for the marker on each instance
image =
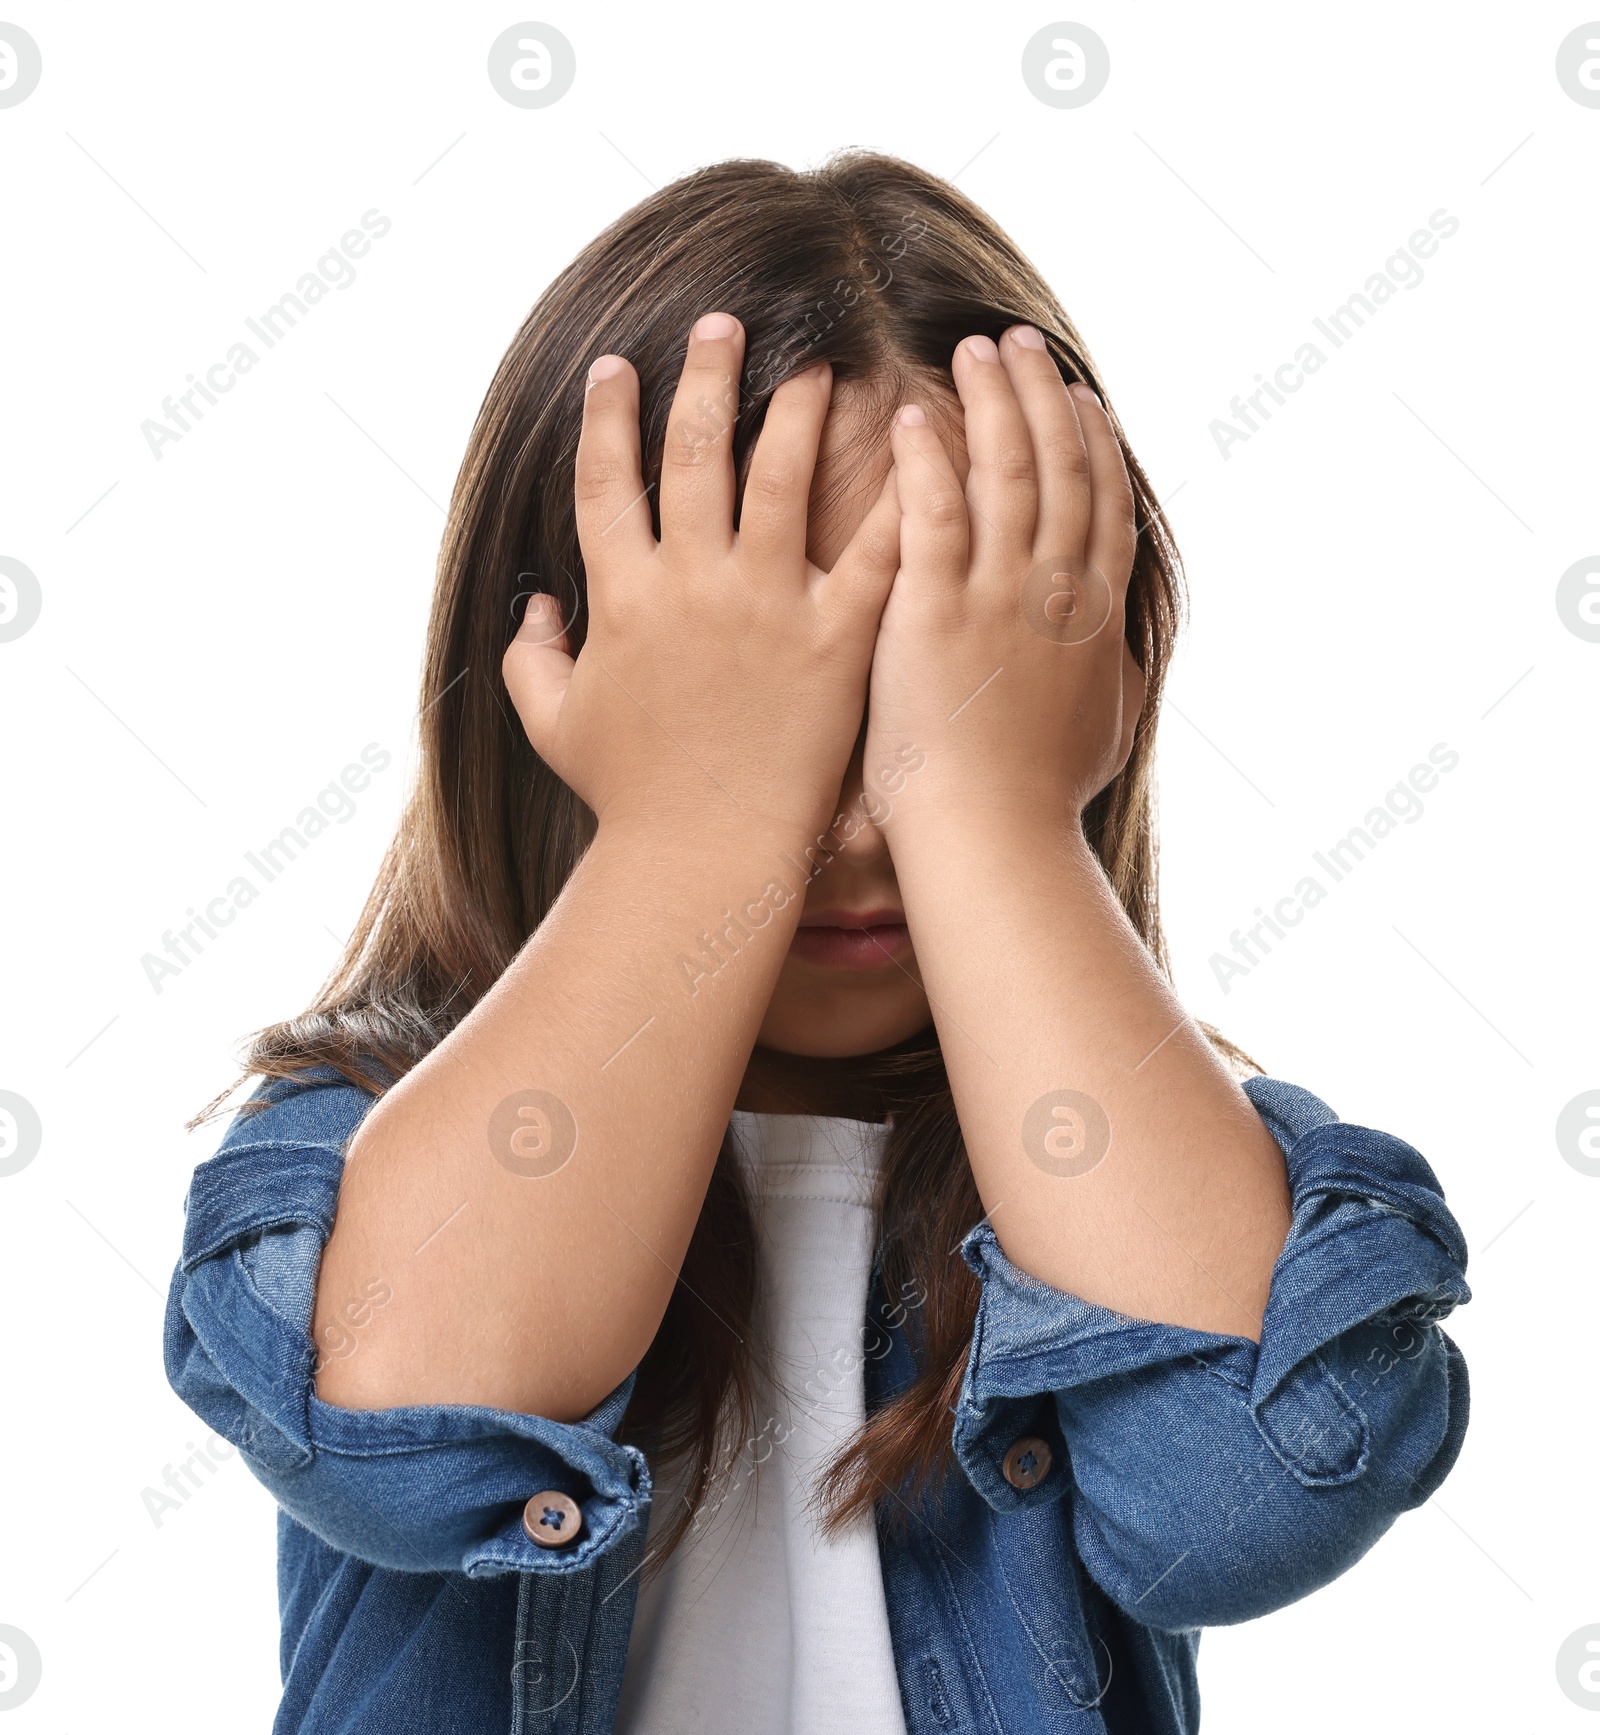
(697, 483)
(1002, 485)
(1112, 533)
(777, 492)
(863, 575)
(613, 511)
(537, 671)
(933, 509)
(1065, 497)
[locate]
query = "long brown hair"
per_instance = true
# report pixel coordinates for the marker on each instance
(880, 269)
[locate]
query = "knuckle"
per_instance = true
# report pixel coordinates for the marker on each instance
(1068, 455)
(774, 483)
(944, 508)
(598, 477)
(683, 453)
(692, 443)
(1014, 463)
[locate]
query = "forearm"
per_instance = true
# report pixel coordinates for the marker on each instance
(541, 1291)
(1039, 983)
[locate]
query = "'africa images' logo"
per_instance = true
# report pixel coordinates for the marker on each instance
(532, 1133)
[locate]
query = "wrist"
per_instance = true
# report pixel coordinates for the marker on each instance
(986, 858)
(1023, 829)
(719, 834)
(752, 874)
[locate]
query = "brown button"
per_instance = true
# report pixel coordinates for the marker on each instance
(552, 1519)
(1027, 1463)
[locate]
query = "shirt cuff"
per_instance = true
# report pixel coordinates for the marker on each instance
(1371, 1240)
(436, 1487)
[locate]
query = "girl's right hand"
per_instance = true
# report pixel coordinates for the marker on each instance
(724, 675)
(708, 721)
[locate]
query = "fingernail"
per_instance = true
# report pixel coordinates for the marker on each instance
(714, 325)
(911, 416)
(1029, 336)
(1080, 390)
(982, 349)
(603, 367)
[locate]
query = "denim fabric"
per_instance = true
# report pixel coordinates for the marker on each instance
(1198, 1478)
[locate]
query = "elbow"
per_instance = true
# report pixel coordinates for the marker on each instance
(1306, 1492)
(421, 1358)
(1239, 1563)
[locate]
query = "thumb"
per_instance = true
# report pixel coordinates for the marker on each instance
(537, 672)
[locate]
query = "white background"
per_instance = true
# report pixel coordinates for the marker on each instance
(1373, 572)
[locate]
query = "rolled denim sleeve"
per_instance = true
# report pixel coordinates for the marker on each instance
(425, 1488)
(1212, 1479)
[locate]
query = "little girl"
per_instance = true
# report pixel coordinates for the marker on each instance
(748, 1240)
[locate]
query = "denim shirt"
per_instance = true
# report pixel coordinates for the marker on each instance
(1195, 1478)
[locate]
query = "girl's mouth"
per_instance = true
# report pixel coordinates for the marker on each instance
(845, 940)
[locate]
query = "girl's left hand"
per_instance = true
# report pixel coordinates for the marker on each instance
(1000, 654)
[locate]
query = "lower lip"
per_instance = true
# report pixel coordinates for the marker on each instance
(852, 948)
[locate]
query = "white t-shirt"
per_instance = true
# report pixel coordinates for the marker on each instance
(756, 1625)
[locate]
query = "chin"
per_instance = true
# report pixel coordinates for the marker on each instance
(844, 1024)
